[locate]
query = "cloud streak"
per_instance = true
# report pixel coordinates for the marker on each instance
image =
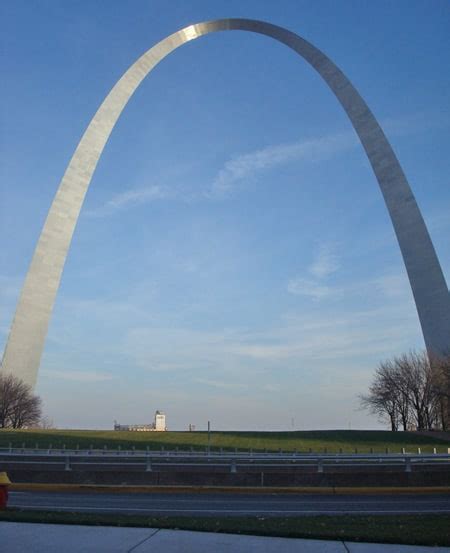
(246, 166)
(220, 384)
(324, 264)
(131, 198)
(235, 170)
(310, 288)
(77, 376)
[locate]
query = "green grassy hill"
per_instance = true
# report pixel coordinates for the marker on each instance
(302, 441)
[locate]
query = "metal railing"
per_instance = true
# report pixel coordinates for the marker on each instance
(150, 459)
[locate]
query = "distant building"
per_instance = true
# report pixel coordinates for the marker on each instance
(160, 422)
(134, 427)
(159, 425)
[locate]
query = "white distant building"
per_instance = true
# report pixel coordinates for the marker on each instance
(160, 422)
(133, 427)
(159, 425)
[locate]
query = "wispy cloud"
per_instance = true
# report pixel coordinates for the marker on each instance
(131, 198)
(77, 376)
(236, 169)
(221, 384)
(414, 123)
(325, 262)
(392, 286)
(307, 287)
(246, 166)
(326, 335)
(306, 340)
(312, 150)
(388, 286)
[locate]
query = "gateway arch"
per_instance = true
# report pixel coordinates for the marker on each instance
(29, 328)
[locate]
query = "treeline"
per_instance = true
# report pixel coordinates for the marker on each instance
(412, 392)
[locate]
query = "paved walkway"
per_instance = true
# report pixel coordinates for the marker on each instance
(55, 538)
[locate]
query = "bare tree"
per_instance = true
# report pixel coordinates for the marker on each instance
(19, 407)
(441, 389)
(411, 390)
(417, 378)
(382, 399)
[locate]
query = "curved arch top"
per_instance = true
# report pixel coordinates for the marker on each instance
(27, 336)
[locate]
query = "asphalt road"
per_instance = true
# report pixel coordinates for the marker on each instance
(230, 504)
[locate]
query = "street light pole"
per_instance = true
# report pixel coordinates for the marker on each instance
(209, 437)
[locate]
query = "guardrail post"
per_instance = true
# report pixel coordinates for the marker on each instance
(320, 465)
(371, 450)
(407, 464)
(419, 451)
(403, 451)
(233, 466)
(434, 450)
(67, 465)
(148, 467)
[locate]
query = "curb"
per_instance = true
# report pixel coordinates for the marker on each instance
(332, 490)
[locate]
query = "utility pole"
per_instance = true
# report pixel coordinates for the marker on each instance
(209, 437)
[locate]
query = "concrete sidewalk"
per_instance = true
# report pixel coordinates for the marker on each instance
(54, 538)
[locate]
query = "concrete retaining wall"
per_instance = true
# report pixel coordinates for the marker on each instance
(211, 477)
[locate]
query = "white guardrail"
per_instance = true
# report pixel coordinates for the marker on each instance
(148, 459)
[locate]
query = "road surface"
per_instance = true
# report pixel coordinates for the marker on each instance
(231, 504)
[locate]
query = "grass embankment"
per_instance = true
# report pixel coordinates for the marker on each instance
(303, 441)
(401, 529)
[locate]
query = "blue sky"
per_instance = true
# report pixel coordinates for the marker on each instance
(234, 260)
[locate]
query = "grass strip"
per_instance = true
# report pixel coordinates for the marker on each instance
(318, 441)
(426, 529)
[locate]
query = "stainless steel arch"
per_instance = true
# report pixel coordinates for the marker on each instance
(26, 340)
